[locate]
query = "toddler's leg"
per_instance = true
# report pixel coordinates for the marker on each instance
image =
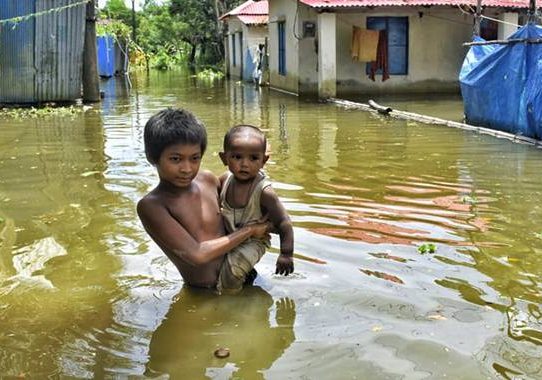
(238, 266)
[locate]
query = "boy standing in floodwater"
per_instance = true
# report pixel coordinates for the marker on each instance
(246, 195)
(182, 214)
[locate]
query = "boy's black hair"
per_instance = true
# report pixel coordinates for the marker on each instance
(172, 126)
(239, 128)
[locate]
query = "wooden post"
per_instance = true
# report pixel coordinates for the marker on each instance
(477, 19)
(91, 84)
(532, 10)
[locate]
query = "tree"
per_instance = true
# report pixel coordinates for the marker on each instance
(117, 10)
(206, 32)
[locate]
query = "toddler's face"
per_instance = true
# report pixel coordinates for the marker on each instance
(245, 157)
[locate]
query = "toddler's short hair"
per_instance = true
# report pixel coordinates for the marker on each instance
(172, 126)
(240, 128)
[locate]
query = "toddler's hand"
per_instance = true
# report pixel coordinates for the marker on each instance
(285, 265)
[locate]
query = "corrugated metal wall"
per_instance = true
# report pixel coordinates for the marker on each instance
(17, 53)
(42, 57)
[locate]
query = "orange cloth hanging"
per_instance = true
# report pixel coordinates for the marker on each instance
(364, 44)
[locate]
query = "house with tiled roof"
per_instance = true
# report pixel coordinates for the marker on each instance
(246, 40)
(364, 47)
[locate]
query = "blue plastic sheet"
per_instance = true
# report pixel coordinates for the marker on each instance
(501, 85)
(106, 55)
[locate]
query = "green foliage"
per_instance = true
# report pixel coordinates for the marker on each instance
(427, 248)
(117, 10)
(116, 28)
(210, 74)
(174, 32)
(206, 33)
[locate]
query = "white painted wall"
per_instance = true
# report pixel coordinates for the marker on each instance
(505, 30)
(234, 28)
(327, 55)
(308, 57)
(283, 10)
(435, 51)
(253, 35)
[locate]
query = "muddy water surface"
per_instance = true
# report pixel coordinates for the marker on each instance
(84, 293)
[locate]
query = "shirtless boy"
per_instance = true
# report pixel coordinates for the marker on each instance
(182, 214)
(246, 195)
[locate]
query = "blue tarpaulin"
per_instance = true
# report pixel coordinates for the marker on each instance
(501, 84)
(106, 56)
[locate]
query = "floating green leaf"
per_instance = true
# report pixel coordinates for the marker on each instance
(427, 248)
(469, 199)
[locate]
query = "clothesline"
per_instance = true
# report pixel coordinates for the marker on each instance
(18, 19)
(473, 11)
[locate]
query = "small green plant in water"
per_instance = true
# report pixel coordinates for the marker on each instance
(427, 248)
(41, 112)
(210, 74)
(469, 199)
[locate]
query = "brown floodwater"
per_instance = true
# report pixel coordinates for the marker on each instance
(84, 292)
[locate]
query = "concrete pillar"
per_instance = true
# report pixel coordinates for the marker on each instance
(505, 30)
(327, 55)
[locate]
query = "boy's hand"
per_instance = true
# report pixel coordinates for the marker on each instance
(285, 265)
(260, 230)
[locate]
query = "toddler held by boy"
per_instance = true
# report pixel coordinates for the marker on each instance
(246, 196)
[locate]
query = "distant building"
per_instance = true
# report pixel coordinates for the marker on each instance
(246, 40)
(41, 57)
(325, 47)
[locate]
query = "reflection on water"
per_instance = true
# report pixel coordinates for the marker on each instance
(85, 293)
(198, 323)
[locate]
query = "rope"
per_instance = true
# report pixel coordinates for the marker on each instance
(486, 17)
(500, 21)
(18, 19)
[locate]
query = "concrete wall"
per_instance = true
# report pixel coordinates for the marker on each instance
(253, 35)
(435, 51)
(308, 53)
(283, 10)
(234, 28)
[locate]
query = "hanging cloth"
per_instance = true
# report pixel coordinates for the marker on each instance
(364, 44)
(381, 62)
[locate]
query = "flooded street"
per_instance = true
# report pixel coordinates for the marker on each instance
(85, 293)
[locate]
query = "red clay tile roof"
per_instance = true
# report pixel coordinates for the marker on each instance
(253, 20)
(395, 3)
(250, 12)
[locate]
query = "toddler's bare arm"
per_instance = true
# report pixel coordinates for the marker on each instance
(281, 221)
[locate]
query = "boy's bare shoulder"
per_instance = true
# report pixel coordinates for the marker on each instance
(208, 177)
(150, 201)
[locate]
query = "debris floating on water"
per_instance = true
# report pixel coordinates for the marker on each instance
(222, 352)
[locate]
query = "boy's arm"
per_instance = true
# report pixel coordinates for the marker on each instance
(170, 235)
(277, 215)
